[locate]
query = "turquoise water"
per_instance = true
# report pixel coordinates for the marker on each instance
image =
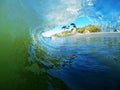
(29, 61)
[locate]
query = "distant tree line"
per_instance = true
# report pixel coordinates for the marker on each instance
(68, 27)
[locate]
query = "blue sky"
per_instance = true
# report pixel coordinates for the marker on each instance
(81, 21)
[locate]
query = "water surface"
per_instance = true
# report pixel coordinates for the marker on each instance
(93, 60)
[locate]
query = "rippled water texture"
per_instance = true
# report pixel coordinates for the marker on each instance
(93, 61)
(29, 61)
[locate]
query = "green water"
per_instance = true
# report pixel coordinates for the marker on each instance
(15, 71)
(13, 45)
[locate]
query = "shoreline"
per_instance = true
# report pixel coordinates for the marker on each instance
(90, 34)
(96, 33)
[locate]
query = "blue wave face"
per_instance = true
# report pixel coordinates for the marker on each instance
(107, 10)
(59, 12)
